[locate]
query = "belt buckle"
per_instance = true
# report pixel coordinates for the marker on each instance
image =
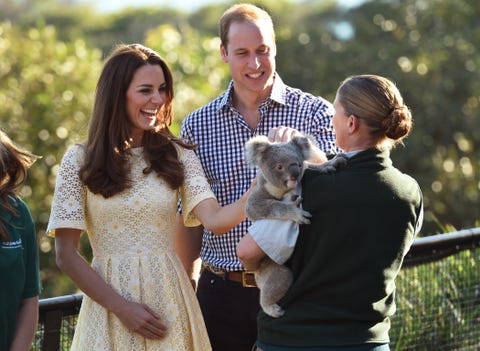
(244, 279)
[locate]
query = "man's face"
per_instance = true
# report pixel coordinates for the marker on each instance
(250, 54)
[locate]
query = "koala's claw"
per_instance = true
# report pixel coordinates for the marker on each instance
(304, 221)
(303, 217)
(332, 165)
(274, 310)
(330, 168)
(298, 201)
(340, 160)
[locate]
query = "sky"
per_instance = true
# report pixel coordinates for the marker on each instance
(184, 5)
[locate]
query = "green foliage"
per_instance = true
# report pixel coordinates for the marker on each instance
(436, 307)
(425, 48)
(46, 90)
(130, 26)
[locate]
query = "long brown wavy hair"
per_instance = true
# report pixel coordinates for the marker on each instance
(13, 172)
(106, 170)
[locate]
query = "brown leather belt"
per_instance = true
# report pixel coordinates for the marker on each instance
(246, 278)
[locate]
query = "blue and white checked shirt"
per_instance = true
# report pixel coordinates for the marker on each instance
(221, 133)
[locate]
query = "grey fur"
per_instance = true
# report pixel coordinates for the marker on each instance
(281, 167)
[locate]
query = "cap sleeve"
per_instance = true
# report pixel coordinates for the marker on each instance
(68, 205)
(195, 187)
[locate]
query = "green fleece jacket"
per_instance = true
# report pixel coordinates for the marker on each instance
(364, 219)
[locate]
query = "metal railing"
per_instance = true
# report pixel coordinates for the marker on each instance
(427, 316)
(56, 322)
(438, 295)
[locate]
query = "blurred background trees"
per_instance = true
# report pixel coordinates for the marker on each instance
(52, 52)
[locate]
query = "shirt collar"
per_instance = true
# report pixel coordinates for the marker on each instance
(352, 153)
(279, 91)
(227, 97)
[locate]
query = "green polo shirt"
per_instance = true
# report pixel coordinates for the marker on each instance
(19, 268)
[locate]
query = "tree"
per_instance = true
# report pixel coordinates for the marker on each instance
(425, 48)
(46, 91)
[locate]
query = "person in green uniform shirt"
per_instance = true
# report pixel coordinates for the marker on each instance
(364, 219)
(19, 267)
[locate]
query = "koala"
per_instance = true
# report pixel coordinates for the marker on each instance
(281, 167)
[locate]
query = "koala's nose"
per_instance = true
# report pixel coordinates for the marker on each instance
(294, 171)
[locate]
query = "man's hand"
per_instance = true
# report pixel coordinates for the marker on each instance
(282, 134)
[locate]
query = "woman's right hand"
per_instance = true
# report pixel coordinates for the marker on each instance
(135, 316)
(142, 319)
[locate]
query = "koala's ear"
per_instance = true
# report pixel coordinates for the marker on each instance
(305, 144)
(255, 148)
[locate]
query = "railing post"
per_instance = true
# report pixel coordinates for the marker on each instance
(52, 326)
(52, 312)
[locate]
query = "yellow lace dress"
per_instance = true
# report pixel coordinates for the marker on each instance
(132, 239)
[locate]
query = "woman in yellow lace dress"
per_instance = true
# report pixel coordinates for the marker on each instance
(122, 188)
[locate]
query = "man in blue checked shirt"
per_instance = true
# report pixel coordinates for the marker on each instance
(257, 102)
